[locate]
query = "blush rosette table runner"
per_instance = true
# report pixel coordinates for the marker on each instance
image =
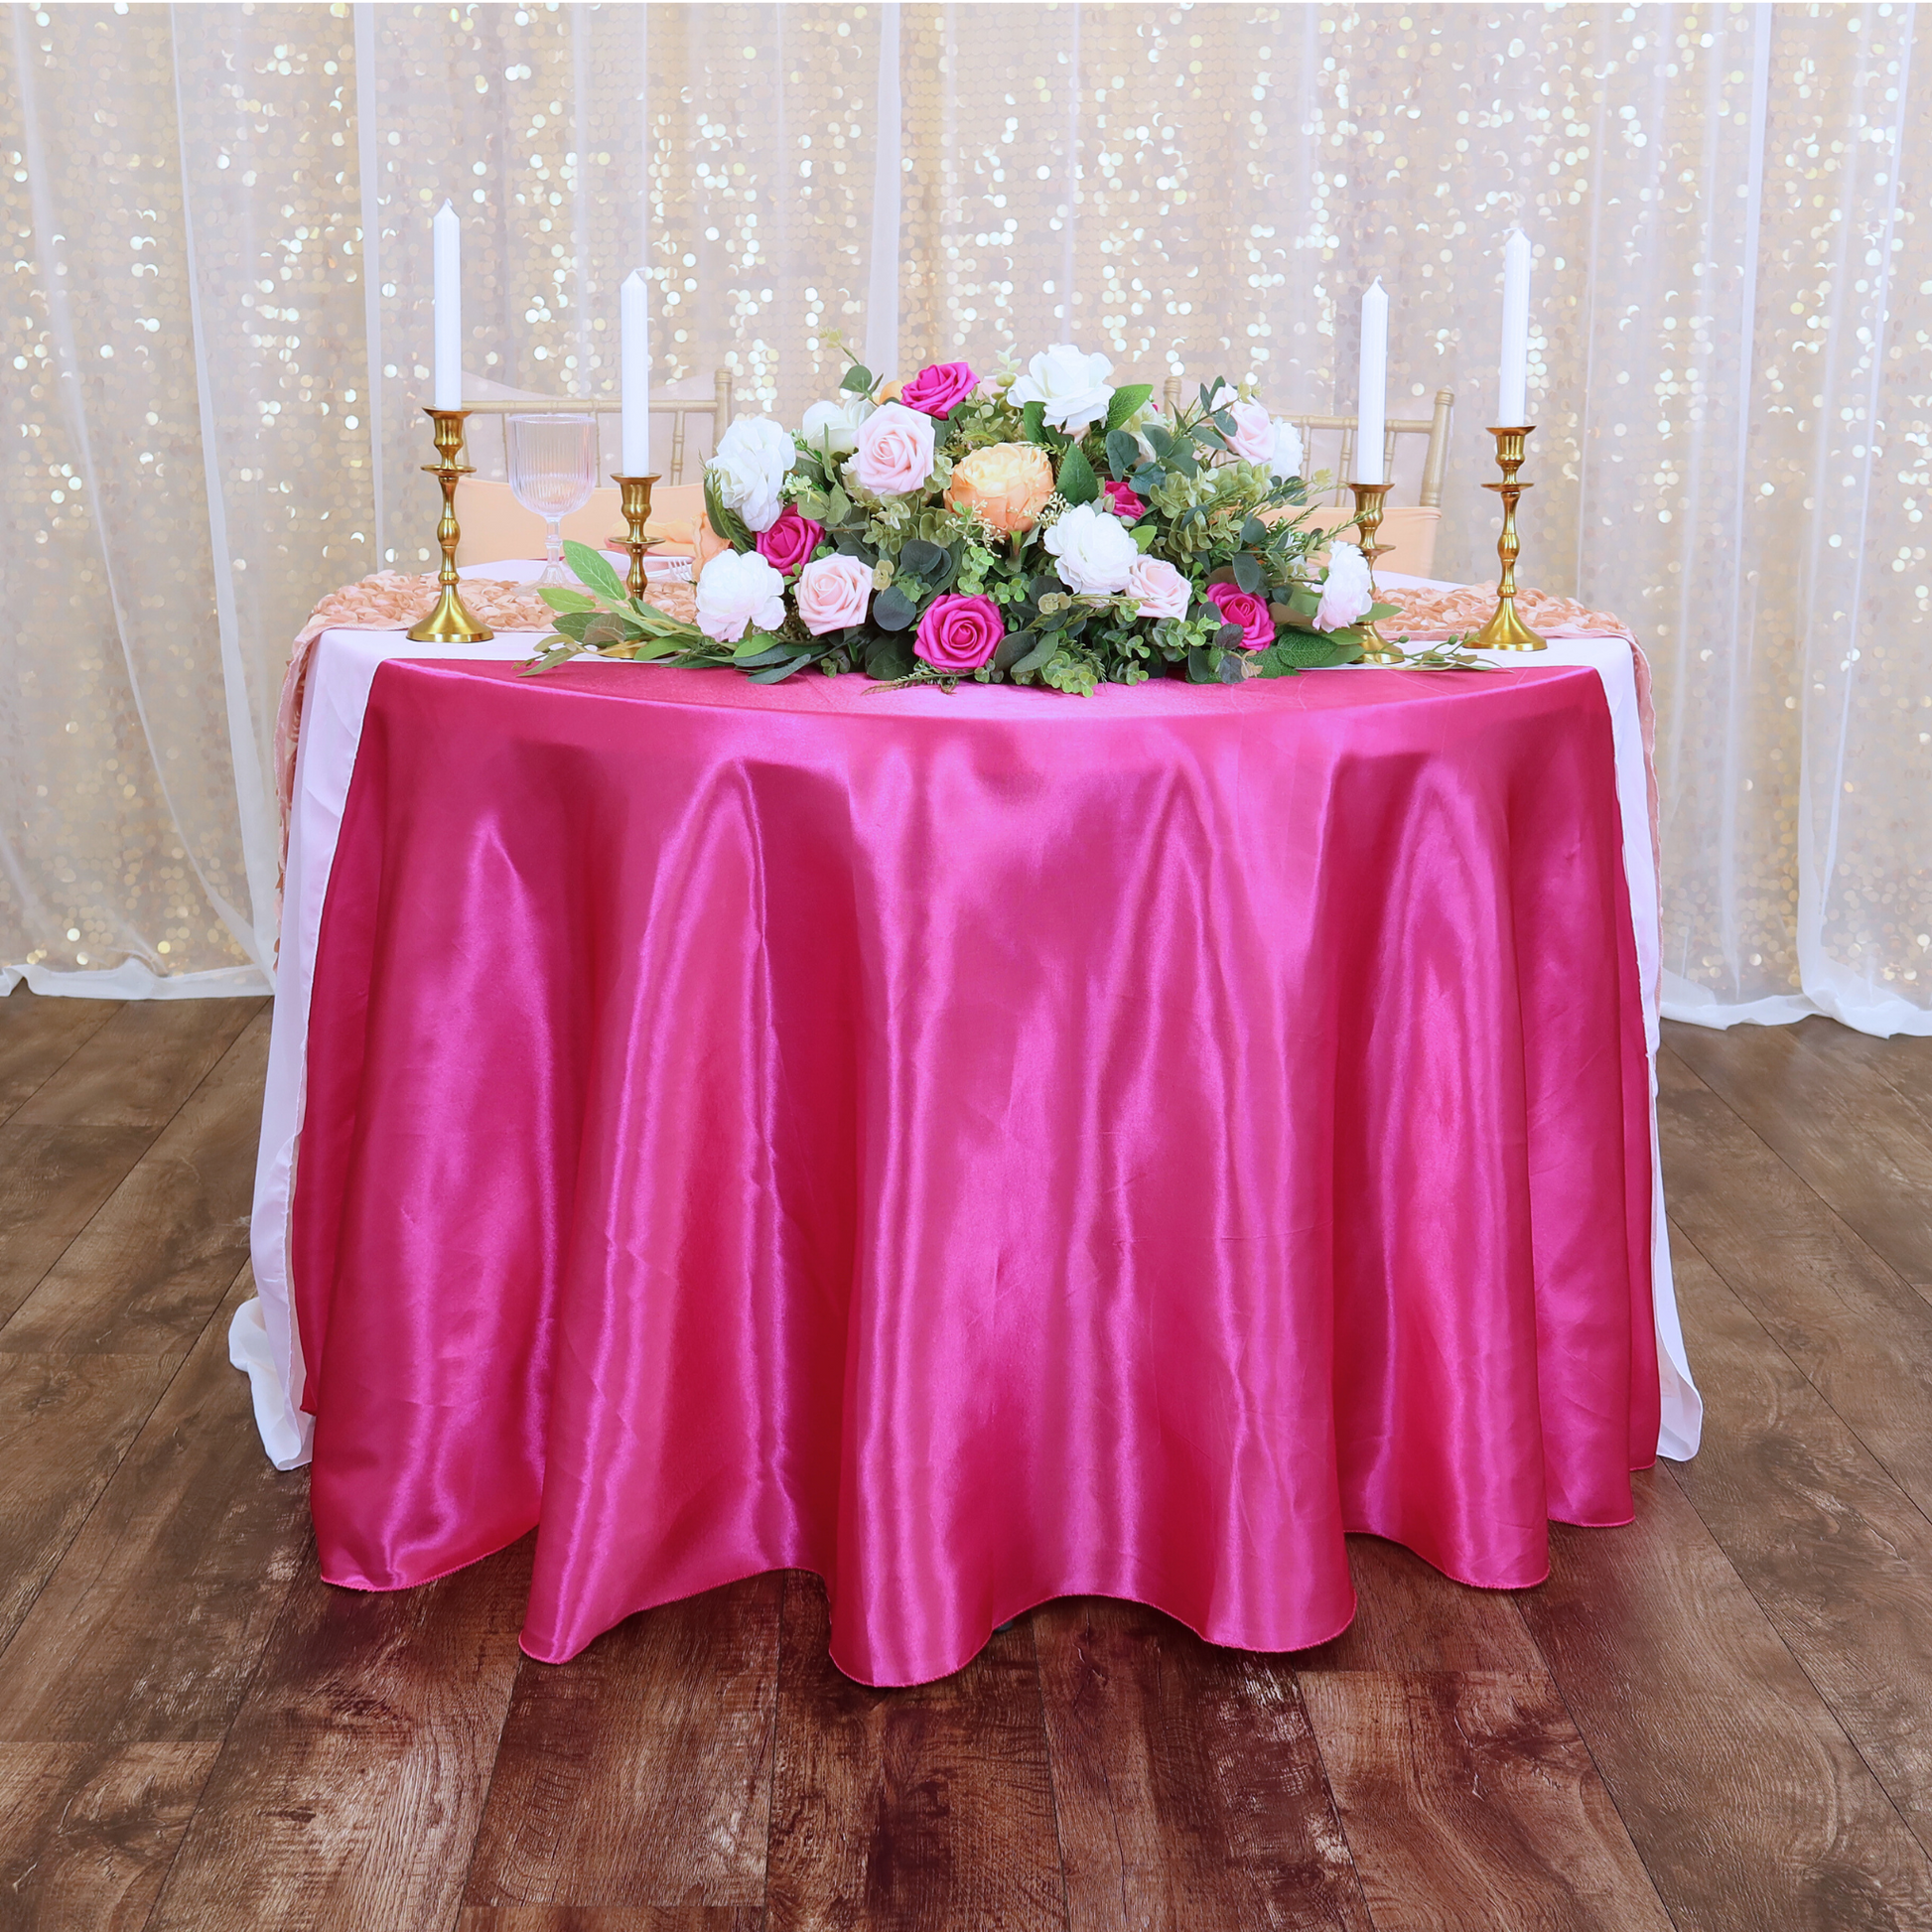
(980, 1148)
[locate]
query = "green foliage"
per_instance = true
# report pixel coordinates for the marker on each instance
(1214, 518)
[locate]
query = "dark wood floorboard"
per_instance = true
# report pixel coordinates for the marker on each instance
(1717, 1717)
(1469, 1799)
(38, 1038)
(1188, 1780)
(909, 1811)
(1856, 1141)
(639, 1775)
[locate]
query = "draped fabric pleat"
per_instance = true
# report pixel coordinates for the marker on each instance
(218, 329)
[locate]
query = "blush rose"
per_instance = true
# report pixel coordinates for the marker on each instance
(833, 591)
(895, 452)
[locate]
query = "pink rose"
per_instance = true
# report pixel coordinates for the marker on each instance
(1253, 437)
(1248, 610)
(940, 390)
(832, 592)
(787, 543)
(1159, 588)
(894, 452)
(960, 633)
(1125, 505)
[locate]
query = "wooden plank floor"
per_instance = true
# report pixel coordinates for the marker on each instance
(1720, 1717)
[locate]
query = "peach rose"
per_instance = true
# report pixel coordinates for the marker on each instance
(706, 543)
(1007, 482)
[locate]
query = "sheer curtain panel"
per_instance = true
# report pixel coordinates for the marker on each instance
(219, 328)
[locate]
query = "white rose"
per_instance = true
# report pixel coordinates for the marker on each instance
(1286, 461)
(739, 590)
(1345, 594)
(1074, 387)
(834, 426)
(1159, 588)
(1095, 551)
(750, 462)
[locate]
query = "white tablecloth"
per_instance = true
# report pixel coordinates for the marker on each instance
(262, 1339)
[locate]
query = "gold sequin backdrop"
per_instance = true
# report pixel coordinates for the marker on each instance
(216, 327)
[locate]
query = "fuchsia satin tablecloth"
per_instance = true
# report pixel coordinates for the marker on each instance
(980, 1148)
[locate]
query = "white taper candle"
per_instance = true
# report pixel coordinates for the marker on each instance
(446, 237)
(1371, 388)
(634, 326)
(1513, 393)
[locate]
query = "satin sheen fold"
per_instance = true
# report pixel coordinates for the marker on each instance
(979, 1148)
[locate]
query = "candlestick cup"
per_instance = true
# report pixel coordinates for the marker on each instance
(449, 622)
(1505, 630)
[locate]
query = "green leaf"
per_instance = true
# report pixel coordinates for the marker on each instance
(1228, 637)
(858, 380)
(838, 507)
(573, 623)
(1254, 531)
(888, 658)
(1035, 659)
(1182, 458)
(758, 647)
(922, 557)
(1078, 483)
(725, 522)
(1145, 534)
(549, 659)
(607, 628)
(592, 567)
(561, 600)
(779, 673)
(1123, 454)
(1126, 401)
(1033, 422)
(1160, 440)
(1246, 571)
(1231, 671)
(1200, 667)
(892, 610)
(1011, 648)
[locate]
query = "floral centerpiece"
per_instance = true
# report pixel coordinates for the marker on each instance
(1044, 527)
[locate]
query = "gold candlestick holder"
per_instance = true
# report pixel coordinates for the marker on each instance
(634, 498)
(449, 622)
(1376, 648)
(1505, 630)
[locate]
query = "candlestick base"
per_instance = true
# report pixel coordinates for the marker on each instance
(449, 622)
(1505, 630)
(1376, 648)
(634, 500)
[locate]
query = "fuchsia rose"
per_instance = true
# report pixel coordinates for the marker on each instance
(959, 633)
(1248, 610)
(1124, 503)
(789, 542)
(940, 390)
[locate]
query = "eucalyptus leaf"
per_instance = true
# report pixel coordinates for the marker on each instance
(858, 380)
(1254, 531)
(1160, 441)
(1036, 658)
(1123, 454)
(1231, 669)
(1078, 483)
(1246, 571)
(1126, 401)
(1011, 648)
(892, 610)
(838, 507)
(592, 567)
(1228, 637)
(920, 556)
(779, 673)
(888, 658)
(1200, 667)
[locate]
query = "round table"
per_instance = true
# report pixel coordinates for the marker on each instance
(979, 1148)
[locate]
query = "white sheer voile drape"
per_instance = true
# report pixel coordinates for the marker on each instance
(218, 327)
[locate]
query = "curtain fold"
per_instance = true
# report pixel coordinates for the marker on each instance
(219, 324)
